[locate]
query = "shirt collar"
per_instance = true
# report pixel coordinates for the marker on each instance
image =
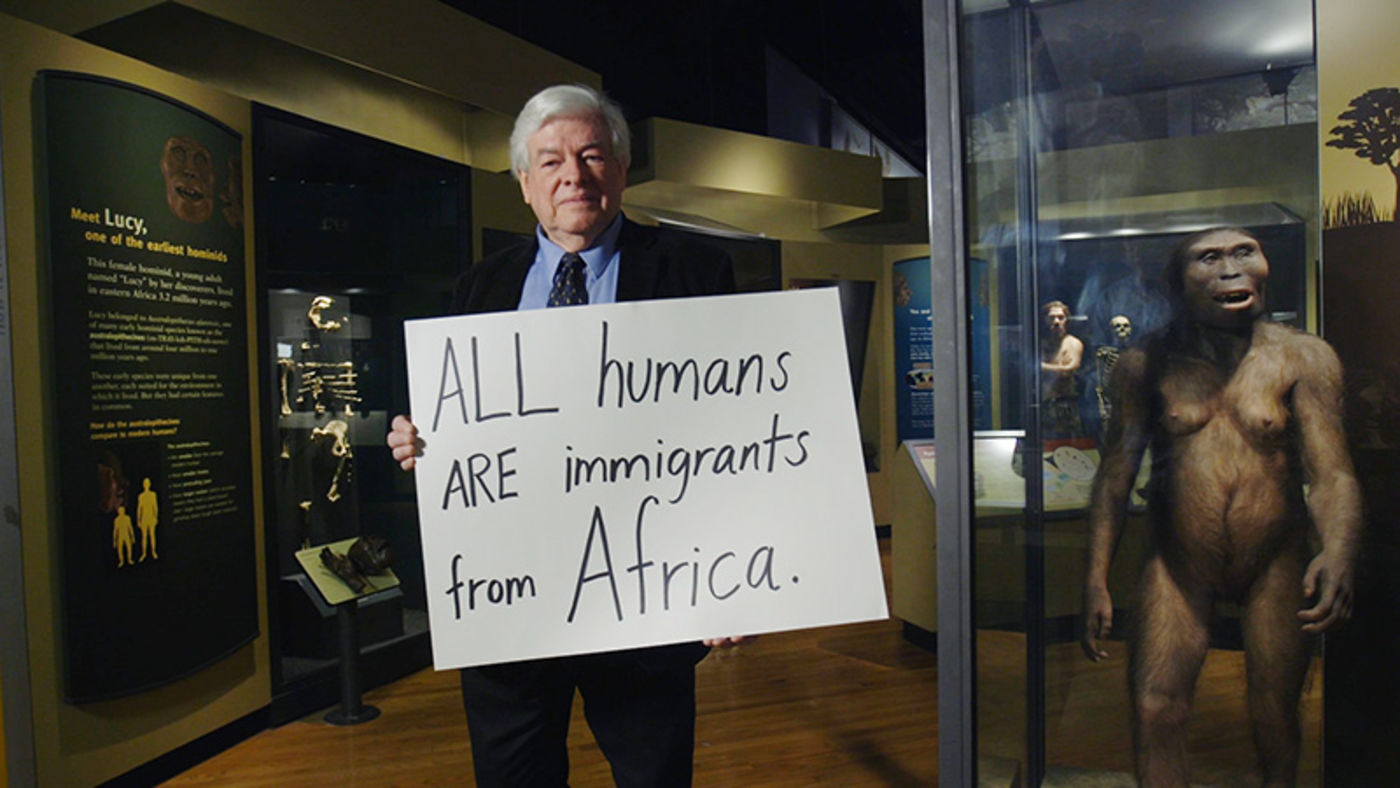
(597, 257)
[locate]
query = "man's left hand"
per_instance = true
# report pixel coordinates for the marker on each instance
(728, 642)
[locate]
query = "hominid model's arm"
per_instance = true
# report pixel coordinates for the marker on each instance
(1334, 496)
(1128, 433)
(1067, 358)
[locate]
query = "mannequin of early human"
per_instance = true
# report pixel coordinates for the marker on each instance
(1060, 356)
(1240, 413)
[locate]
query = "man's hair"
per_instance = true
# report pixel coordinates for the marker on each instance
(1045, 310)
(567, 101)
(1173, 274)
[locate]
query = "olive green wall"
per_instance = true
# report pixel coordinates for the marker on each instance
(84, 745)
(876, 414)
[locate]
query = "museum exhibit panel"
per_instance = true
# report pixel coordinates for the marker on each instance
(149, 332)
(1096, 137)
(140, 607)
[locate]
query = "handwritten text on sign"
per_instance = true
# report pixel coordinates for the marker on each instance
(636, 474)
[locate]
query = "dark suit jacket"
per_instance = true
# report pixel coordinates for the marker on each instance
(651, 267)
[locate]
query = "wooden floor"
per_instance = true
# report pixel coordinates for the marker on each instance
(802, 708)
(844, 706)
(1088, 722)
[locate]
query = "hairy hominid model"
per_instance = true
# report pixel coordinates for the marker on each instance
(1240, 413)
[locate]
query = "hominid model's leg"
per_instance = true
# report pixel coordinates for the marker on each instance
(1276, 661)
(1168, 646)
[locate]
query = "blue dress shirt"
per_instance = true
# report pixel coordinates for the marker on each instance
(601, 260)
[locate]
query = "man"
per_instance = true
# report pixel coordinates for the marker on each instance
(570, 149)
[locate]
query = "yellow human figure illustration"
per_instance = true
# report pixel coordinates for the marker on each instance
(147, 511)
(122, 536)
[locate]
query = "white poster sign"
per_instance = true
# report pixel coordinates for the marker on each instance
(635, 474)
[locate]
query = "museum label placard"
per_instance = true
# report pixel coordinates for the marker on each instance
(143, 215)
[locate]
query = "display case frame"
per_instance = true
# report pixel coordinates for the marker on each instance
(356, 236)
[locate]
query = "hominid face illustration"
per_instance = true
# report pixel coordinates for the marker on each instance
(189, 179)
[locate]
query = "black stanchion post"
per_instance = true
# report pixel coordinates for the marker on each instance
(351, 711)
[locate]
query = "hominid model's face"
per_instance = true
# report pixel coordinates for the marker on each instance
(1223, 280)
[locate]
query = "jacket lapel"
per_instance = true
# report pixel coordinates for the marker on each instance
(506, 295)
(636, 279)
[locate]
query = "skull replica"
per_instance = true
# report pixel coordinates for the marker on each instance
(1122, 327)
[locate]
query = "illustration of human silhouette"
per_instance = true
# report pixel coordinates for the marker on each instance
(147, 512)
(122, 537)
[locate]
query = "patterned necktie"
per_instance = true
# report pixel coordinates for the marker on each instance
(569, 288)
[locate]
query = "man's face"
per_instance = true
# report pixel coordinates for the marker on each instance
(189, 179)
(1223, 281)
(1058, 320)
(574, 183)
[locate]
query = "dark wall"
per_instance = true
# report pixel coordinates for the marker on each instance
(704, 62)
(1362, 690)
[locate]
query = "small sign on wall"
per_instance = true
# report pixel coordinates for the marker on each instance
(637, 474)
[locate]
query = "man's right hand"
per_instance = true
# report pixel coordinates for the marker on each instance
(403, 440)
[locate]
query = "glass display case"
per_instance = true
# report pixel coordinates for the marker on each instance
(356, 236)
(1097, 136)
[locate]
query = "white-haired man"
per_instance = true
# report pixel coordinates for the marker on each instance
(570, 149)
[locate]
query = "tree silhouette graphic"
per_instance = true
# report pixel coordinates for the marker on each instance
(1371, 127)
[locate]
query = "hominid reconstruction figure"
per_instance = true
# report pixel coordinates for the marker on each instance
(1240, 414)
